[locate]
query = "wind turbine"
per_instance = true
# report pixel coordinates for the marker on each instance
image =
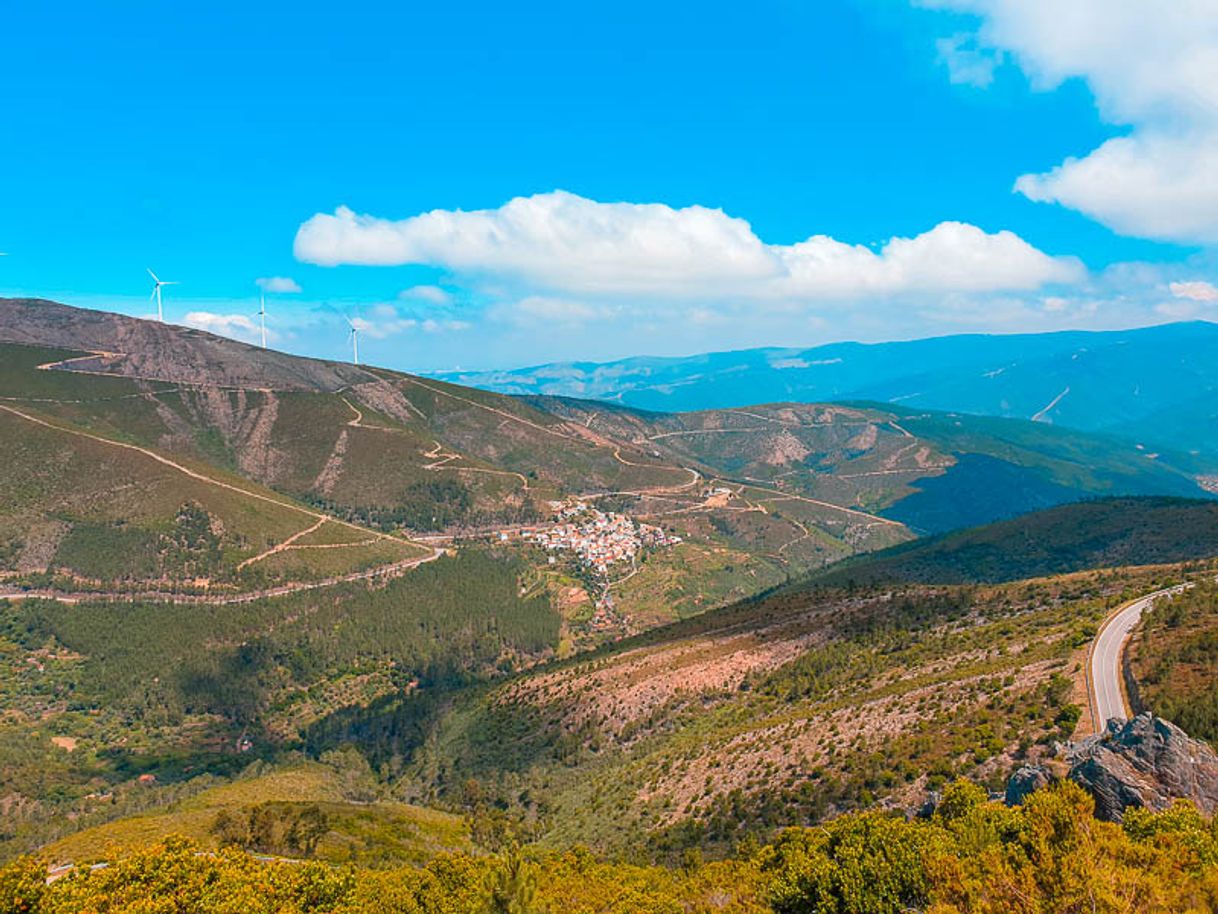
(354, 340)
(262, 315)
(156, 293)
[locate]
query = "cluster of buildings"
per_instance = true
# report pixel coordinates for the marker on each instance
(598, 538)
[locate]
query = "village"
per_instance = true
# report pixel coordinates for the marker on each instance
(598, 538)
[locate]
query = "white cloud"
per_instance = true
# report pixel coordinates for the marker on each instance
(235, 326)
(1195, 290)
(277, 284)
(384, 320)
(433, 295)
(967, 64)
(558, 309)
(1152, 67)
(567, 245)
(435, 326)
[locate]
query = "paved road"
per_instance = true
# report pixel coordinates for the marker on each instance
(1106, 673)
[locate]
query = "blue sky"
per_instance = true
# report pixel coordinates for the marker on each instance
(198, 139)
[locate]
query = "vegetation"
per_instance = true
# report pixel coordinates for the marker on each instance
(1175, 660)
(970, 857)
(779, 711)
(180, 692)
(1106, 533)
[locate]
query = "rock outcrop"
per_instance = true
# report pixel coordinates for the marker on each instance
(1025, 780)
(1145, 762)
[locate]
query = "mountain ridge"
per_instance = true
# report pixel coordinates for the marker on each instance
(1118, 382)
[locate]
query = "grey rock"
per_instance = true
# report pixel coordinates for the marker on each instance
(1146, 762)
(1025, 780)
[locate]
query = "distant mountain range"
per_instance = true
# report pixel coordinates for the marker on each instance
(1154, 385)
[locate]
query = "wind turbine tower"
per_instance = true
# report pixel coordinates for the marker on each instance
(262, 316)
(156, 293)
(354, 340)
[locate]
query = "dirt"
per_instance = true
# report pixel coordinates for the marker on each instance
(388, 400)
(633, 685)
(793, 748)
(864, 440)
(783, 449)
(328, 477)
(41, 543)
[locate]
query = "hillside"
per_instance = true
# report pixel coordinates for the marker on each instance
(1154, 385)
(347, 462)
(1107, 533)
(342, 794)
(784, 711)
(386, 452)
(233, 556)
(102, 695)
(930, 471)
(1173, 660)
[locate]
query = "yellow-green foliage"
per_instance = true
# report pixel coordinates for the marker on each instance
(972, 857)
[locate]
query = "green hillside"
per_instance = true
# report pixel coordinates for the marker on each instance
(1174, 660)
(930, 471)
(784, 711)
(98, 694)
(1106, 533)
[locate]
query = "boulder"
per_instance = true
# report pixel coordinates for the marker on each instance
(1026, 779)
(1145, 762)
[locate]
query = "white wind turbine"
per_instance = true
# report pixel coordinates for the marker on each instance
(262, 315)
(354, 339)
(156, 293)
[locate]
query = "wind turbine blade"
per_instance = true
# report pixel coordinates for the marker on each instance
(153, 275)
(152, 296)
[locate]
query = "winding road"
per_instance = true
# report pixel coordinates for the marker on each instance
(1105, 666)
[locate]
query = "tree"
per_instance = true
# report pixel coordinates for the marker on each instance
(512, 885)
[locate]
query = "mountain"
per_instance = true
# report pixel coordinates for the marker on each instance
(1154, 385)
(223, 568)
(342, 464)
(930, 471)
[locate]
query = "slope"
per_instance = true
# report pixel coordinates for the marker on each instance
(826, 695)
(1105, 533)
(930, 471)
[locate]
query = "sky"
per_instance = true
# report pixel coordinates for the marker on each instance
(487, 185)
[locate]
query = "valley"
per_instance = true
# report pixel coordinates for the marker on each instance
(252, 598)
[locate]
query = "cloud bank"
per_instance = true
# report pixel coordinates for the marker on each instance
(562, 243)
